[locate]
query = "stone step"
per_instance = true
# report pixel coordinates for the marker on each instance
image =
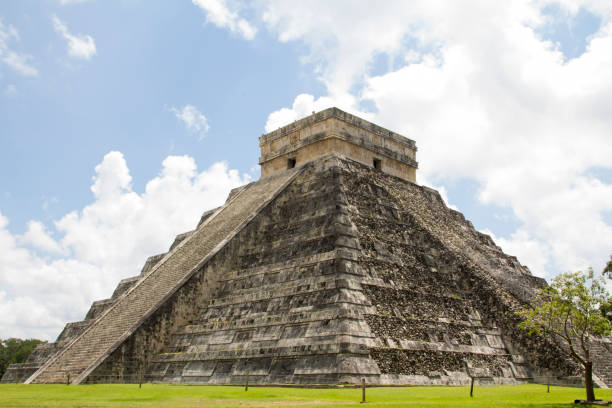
(124, 285)
(293, 269)
(286, 289)
(327, 347)
(115, 325)
(151, 262)
(268, 319)
(305, 329)
(270, 346)
(98, 307)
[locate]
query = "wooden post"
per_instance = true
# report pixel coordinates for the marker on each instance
(363, 399)
(246, 382)
(140, 378)
(548, 385)
(472, 387)
(68, 378)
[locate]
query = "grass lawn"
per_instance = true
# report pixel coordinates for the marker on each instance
(19, 395)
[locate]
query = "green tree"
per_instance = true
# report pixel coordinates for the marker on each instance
(608, 268)
(569, 310)
(15, 351)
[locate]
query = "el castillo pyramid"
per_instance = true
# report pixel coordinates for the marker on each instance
(333, 267)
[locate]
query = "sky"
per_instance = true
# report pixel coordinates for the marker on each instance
(122, 121)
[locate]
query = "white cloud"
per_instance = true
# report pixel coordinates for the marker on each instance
(531, 252)
(46, 281)
(485, 98)
(193, 119)
(79, 46)
(225, 14)
(38, 238)
(305, 104)
(112, 177)
(13, 59)
(343, 37)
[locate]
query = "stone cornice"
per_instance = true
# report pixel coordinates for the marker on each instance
(342, 136)
(343, 116)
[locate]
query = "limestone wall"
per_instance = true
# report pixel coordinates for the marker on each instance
(445, 295)
(150, 294)
(351, 273)
(335, 132)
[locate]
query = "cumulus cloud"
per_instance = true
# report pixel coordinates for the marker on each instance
(193, 119)
(38, 238)
(344, 37)
(225, 14)
(486, 97)
(18, 62)
(80, 46)
(305, 104)
(49, 276)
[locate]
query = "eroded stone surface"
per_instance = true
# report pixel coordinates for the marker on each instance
(347, 273)
(351, 273)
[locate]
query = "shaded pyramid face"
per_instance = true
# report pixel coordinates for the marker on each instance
(350, 273)
(325, 274)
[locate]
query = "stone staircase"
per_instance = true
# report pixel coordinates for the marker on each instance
(79, 358)
(19, 372)
(601, 350)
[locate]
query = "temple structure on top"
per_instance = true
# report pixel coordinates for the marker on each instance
(333, 131)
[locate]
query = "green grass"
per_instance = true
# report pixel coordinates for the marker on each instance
(174, 396)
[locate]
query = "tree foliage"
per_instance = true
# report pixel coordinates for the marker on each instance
(15, 351)
(608, 268)
(569, 310)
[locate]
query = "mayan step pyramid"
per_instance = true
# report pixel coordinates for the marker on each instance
(333, 267)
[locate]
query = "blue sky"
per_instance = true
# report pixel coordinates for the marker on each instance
(122, 121)
(149, 58)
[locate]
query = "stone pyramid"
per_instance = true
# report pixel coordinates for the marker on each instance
(333, 267)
